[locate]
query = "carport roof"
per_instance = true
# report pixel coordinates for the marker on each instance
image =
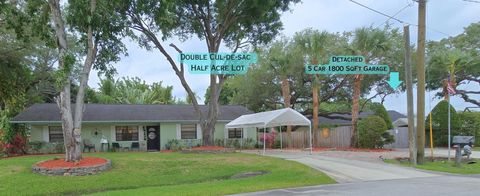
(45, 113)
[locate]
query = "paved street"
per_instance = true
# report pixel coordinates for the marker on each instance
(438, 186)
(365, 173)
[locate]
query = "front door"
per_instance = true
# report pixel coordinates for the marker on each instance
(153, 138)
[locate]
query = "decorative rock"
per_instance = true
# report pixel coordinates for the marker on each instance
(73, 171)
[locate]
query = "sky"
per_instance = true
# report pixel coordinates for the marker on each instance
(444, 18)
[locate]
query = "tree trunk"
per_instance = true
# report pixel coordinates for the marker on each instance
(72, 123)
(286, 102)
(355, 109)
(64, 103)
(79, 103)
(208, 129)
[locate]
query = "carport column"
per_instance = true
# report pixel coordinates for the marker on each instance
(264, 128)
(311, 147)
(281, 140)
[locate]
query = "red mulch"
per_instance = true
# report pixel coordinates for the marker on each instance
(208, 148)
(60, 163)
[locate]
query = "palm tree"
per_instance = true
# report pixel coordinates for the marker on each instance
(314, 45)
(281, 56)
(370, 43)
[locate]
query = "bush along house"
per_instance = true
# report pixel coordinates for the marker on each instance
(132, 127)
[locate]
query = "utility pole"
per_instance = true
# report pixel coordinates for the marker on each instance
(421, 83)
(408, 79)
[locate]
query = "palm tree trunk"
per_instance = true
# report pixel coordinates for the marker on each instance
(355, 109)
(286, 101)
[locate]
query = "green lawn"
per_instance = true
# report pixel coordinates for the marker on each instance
(160, 173)
(444, 166)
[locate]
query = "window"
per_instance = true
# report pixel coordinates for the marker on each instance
(189, 131)
(126, 133)
(55, 134)
(234, 133)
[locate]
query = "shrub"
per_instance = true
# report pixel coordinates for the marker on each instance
(370, 132)
(440, 123)
(379, 110)
(16, 145)
(470, 125)
(174, 144)
(36, 146)
(269, 138)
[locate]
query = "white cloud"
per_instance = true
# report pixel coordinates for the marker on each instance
(448, 16)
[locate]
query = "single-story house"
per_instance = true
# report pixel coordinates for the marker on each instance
(149, 126)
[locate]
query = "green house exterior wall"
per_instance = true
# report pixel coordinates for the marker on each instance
(168, 131)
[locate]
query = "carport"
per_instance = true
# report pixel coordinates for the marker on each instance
(275, 118)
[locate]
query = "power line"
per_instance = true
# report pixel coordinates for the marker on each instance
(401, 10)
(378, 12)
(398, 20)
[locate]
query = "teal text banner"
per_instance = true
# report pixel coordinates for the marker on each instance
(217, 63)
(347, 65)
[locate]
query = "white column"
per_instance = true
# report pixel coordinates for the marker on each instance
(141, 133)
(45, 134)
(199, 132)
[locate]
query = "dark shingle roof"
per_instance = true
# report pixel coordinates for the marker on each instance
(128, 113)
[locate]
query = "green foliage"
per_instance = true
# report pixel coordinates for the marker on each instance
(470, 125)
(379, 110)
(370, 132)
(226, 95)
(461, 53)
(174, 145)
(440, 123)
(131, 91)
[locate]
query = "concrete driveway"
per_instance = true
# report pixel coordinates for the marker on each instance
(365, 173)
(358, 167)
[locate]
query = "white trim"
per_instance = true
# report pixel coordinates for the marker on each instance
(45, 134)
(199, 132)
(112, 133)
(179, 132)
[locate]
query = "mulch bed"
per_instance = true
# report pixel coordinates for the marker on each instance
(60, 163)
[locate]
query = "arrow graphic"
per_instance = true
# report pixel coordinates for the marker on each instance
(394, 81)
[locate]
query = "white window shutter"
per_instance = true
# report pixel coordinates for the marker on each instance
(179, 131)
(112, 133)
(199, 132)
(244, 132)
(141, 133)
